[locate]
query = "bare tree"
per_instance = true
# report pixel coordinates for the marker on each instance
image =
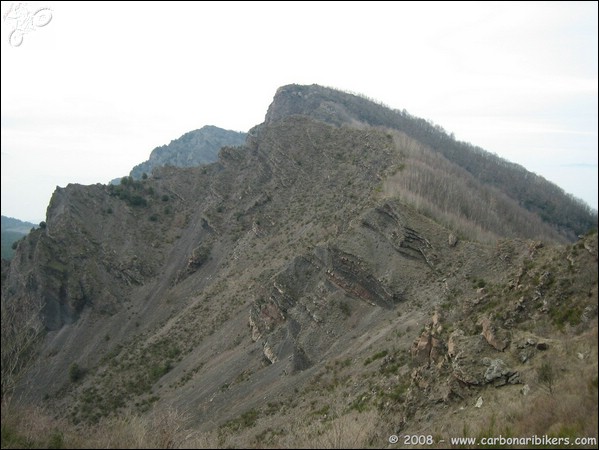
(21, 329)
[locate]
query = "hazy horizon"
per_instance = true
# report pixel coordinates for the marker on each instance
(89, 94)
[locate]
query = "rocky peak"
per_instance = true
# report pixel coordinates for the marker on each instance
(148, 285)
(194, 148)
(321, 103)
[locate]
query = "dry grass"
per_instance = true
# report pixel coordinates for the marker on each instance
(569, 410)
(35, 428)
(352, 430)
(31, 428)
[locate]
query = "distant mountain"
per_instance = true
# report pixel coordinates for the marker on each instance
(194, 148)
(12, 231)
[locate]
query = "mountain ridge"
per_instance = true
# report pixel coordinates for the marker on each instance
(337, 107)
(12, 231)
(296, 278)
(193, 148)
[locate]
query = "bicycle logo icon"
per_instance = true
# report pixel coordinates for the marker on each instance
(25, 21)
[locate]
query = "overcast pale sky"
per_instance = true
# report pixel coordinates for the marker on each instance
(90, 94)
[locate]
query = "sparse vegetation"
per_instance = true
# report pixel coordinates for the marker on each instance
(246, 420)
(345, 308)
(131, 191)
(284, 296)
(377, 355)
(546, 376)
(75, 372)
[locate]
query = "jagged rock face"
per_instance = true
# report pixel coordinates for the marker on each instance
(499, 373)
(83, 259)
(194, 148)
(303, 291)
(445, 372)
(148, 285)
(346, 270)
(338, 108)
(65, 269)
(472, 361)
(311, 101)
(497, 338)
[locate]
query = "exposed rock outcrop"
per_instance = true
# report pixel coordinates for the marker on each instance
(467, 358)
(194, 148)
(309, 226)
(495, 337)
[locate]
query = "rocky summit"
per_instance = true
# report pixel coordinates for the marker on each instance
(349, 273)
(194, 148)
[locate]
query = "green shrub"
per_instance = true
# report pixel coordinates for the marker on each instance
(345, 308)
(75, 372)
(376, 356)
(137, 200)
